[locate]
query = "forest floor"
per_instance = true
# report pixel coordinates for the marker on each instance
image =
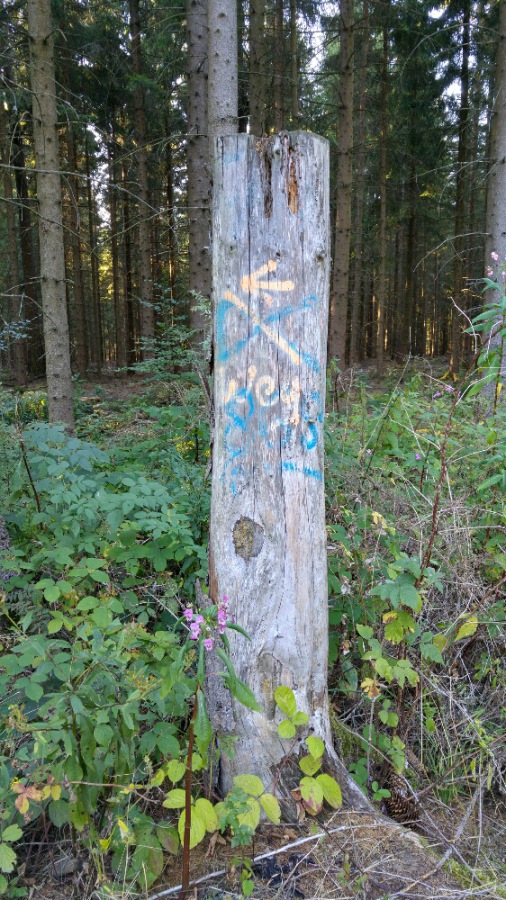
(347, 856)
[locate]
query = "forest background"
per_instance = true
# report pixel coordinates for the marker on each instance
(416, 467)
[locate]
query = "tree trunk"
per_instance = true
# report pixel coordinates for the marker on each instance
(355, 345)
(294, 68)
(81, 335)
(96, 343)
(17, 344)
(130, 323)
(30, 264)
(279, 99)
(495, 241)
(268, 538)
(257, 67)
(381, 287)
(341, 271)
(460, 192)
(223, 79)
(199, 179)
(52, 258)
(147, 313)
(171, 217)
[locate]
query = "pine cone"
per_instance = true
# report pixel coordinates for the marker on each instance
(401, 805)
(415, 763)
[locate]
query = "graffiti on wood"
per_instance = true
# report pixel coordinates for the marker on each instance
(278, 412)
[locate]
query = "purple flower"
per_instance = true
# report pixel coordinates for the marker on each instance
(417, 456)
(188, 614)
(449, 389)
(194, 631)
(437, 394)
(198, 620)
(494, 255)
(489, 273)
(208, 643)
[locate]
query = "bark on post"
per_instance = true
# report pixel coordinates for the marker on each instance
(268, 542)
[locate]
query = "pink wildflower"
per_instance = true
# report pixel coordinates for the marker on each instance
(208, 643)
(417, 456)
(489, 273)
(449, 389)
(194, 631)
(188, 614)
(437, 394)
(494, 255)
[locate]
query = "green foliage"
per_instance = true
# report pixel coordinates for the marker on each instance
(313, 789)
(415, 504)
(94, 684)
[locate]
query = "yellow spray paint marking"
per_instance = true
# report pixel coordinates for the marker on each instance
(251, 284)
(269, 332)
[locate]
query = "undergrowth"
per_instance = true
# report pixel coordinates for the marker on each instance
(108, 535)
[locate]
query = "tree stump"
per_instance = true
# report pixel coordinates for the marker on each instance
(268, 541)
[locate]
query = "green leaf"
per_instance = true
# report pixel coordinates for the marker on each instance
(365, 631)
(168, 837)
(286, 730)
(7, 858)
(409, 596)
(285, 699)
(312, 794)
(468, 628)
(250, 784)
(175, 799)
(271, 808)
(175, 769)
(93, 564)
(101, 577)
(309, 765)
(331, 790)
(197, 828)
(300, 718)
(101, 616)
(394, 632)
(431, 652)
(315, 746)
(104, 735)
(52, 593)
(205, 809)
(251, 818)
(34, 691)
(243, 694)
(384, 669)
(147, 861)
(203, 727)
(59, 813)
(11, 833)
(88, 603)
(4, 884)
(54, 625)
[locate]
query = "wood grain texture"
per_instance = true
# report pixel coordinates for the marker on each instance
(268, 542)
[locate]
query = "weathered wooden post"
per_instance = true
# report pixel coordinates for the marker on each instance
(268, 543)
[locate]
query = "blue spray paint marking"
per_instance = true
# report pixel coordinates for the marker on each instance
(225, 352)
(293, 467)
(310, 440)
